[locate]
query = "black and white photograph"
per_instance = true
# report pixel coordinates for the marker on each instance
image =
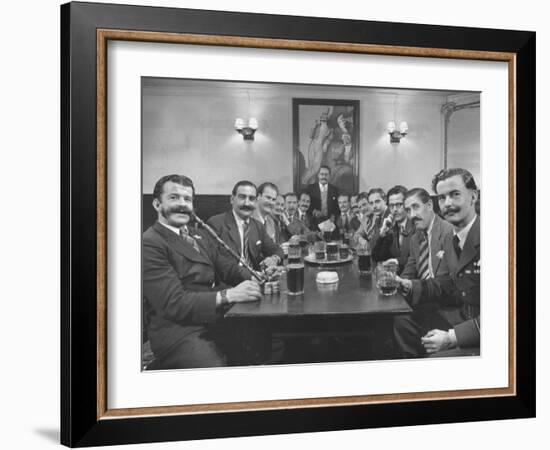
(305, 223)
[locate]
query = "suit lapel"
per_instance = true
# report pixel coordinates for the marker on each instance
(180, 246)
(471, 246)
(436, 245)
(233, 230)
(253, 238)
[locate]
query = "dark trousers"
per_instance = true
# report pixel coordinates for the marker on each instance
(408, 329)
(197, 349)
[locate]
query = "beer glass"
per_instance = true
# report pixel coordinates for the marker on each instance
(332, 251)
(319, 248)
(364, 260)
(386, 278)
(344, 251)
(294, 252)
(295, 278)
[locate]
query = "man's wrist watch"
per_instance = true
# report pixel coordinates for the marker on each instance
(223, 294)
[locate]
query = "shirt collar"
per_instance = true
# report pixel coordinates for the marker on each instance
(174, 229)
(238, 219)
(258, 216)
(323, 187)
(463, 234)
(429, 230)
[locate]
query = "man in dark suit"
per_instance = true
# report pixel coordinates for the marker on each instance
(242, 232)
(396, 231)
(304, 205)
(324, 197)
(426, 245)
(346, 221)
(373, 210)
(291, 217)
(183, 282)
(453, 328)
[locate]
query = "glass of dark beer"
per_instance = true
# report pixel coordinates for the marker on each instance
(294, 253)
(319, 248)
(364, 260)
(332, 251)
(295, 279)
(344, 251)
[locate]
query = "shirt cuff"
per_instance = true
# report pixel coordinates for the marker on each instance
(452, 337)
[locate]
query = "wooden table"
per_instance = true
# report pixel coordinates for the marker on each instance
(354, 294)
(354, 307)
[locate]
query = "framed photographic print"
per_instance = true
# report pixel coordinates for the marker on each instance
(242, 203)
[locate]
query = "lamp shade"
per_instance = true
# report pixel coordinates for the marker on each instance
(239, 124)
(403, 127)
(253, 123)
(391, 126)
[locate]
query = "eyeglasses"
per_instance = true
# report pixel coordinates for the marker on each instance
(395, 205)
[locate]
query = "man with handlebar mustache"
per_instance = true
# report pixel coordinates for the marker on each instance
(184, 276)
(243, 233)
(453, 327)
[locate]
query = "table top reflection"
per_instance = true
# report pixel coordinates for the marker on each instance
(353, 294)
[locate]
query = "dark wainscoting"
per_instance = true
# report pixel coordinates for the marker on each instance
(205, 206)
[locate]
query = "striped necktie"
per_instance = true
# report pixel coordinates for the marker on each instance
(189, 239)
(423, 258)
(246, 233)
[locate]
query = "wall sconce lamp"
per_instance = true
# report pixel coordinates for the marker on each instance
(395, 136)
(247, 132)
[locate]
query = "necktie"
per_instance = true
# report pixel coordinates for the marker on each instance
(189, 239)
(324, 205)
(423, 258)
(456, 245)
(345, 222)
(246, 232)
(270, 227)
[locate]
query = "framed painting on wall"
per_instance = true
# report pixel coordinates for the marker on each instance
(326, 132)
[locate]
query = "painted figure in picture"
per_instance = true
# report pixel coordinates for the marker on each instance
(331, 144)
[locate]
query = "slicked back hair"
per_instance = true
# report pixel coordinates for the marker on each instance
(363, 196)
(467, 177)
(267, 184)
(242, 183)
(343, 194)
(325, 167)
(377, 191)
(397, 190)
(291, 194)
(421, 193)
(179, 179)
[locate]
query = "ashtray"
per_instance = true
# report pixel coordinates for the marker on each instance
(327, 277)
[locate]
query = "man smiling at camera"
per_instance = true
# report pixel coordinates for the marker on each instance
(453, 328)
(242, 232)
(184, 278)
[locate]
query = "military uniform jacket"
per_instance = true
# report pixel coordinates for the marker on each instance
(260, 245)
(457, 292)
(180, 284)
